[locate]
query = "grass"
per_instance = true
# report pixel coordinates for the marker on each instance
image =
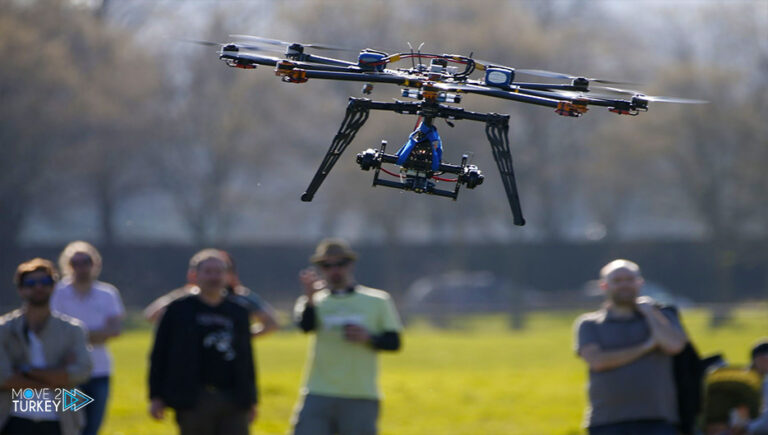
(478, 378)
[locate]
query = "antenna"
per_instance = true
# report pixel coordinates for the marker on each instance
(419, 50)
(413, 62)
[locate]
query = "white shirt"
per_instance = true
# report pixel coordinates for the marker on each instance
(36, 361)
(93, 309)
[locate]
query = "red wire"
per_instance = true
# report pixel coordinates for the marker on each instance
(450, 180)
(390, 173)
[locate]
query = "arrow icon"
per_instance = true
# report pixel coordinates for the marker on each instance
(75, 399)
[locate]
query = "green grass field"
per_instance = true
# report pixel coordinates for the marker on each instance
(478, 378)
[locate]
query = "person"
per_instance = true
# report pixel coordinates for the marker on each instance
(263, 316)
(98, 305)
(351, 323)
(201, 363)
(156, 308)
(40, 349)
(759, 356)
(628, 346)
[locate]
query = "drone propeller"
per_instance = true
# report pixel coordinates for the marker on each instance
(222, 44)
(660, 99)
(199, 42)
(278, 42)
(557, 75)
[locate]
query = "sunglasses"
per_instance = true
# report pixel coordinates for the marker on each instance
(341, 263)
(82, 262)
(33, 282)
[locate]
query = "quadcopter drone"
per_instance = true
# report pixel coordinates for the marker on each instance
(432, 87)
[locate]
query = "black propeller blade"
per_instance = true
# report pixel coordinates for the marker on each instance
(223, 44)
(277, 42)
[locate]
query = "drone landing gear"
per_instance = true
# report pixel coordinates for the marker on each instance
(417, 178)
(497, 130)
(355, 117)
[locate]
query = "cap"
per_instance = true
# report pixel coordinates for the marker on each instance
(329, 248)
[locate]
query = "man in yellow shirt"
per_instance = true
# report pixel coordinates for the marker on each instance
(351, 323)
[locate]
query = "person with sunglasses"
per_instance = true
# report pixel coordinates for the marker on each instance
(99, 306)
(42, 350)
(351, 324)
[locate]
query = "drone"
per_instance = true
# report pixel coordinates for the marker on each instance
(433, 90)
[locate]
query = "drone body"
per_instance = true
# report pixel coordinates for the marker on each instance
(433, 87)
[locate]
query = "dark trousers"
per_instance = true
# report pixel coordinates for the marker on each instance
(98, 389)
(213, 414)
(24, 426)
(643, 427)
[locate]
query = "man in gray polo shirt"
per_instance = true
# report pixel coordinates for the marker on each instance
(628, 345)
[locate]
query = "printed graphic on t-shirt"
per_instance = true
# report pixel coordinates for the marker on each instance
(333, 321)
(218, 334)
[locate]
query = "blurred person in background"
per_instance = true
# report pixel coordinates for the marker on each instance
(629, 345)
(352, 323)
(734, 396)
(156, 308)
(40, 348)
(759, 357)
(98, 305)
(263, 316)
(201, 363)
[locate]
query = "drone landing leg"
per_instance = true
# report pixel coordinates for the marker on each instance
(497, 131)
(355, 117)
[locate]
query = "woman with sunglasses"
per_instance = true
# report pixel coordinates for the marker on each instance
(98, 305)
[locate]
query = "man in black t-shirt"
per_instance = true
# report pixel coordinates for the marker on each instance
(201, 362)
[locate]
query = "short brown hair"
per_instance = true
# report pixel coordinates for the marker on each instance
(34, 265)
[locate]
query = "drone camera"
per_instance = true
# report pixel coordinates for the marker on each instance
(417, 174)
(369, 158)
(471, 176)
